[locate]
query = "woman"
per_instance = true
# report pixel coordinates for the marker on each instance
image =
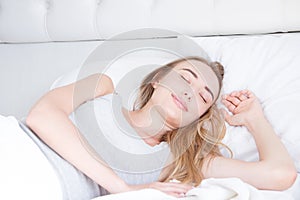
(184, 116)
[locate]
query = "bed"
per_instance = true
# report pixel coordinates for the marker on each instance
(257, 42)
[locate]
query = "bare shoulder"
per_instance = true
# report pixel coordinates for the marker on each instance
(105, 84)
(69, 97)
(94, 85)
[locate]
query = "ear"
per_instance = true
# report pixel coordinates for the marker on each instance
(154, 84)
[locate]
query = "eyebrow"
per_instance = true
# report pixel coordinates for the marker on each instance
(189, 70)
(195, 75)
(208, 90)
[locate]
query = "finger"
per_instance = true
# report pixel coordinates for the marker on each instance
(248, 93)
(177, 189)
(234, 93)
(242, 97)
(184, 187)
(174, 194)
(169, 186)
(172, 191)
(229, 105)
(234, 100)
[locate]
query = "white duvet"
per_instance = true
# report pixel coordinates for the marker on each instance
(210, 189)
(25, 172)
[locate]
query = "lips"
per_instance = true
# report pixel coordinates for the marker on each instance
(181, 104)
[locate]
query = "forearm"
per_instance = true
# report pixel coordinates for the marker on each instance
(54, 128)
(276, 167)
(269, 145)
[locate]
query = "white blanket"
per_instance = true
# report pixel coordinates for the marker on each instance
(24, 170)
(210, 189)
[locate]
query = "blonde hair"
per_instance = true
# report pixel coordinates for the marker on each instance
(190, 144)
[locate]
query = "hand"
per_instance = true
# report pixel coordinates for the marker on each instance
(244, 106)
(175, 189)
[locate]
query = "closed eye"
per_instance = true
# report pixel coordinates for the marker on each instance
(184, 78)
(203, 99)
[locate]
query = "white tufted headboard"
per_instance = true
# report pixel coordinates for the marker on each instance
(42, 39)
(69, 20)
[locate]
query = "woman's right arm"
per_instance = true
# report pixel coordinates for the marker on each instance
(49, 119)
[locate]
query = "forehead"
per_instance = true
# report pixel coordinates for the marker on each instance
(204, 72)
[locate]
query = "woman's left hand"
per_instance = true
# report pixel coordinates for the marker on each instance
(244, 106)
(275, 169)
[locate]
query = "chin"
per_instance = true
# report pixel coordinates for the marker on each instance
(180, 120)
(174, 122)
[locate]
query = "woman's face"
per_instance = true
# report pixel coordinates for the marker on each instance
(185, 93)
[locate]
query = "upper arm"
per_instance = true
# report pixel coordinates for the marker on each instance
(69, 97)
(260, 174)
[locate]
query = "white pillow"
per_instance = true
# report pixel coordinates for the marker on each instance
(269, 66)
(266, 64)
(126, 72)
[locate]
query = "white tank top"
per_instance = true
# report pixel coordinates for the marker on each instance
(108, 136)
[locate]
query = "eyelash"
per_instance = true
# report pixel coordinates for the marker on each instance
(204, 100)
(188, 81)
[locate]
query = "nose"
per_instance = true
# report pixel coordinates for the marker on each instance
(188, 96)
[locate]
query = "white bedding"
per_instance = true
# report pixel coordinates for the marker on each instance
(26, 174)
(210, 189)
(24, 170)
(269, 65)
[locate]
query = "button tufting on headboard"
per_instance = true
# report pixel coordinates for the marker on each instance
(48, 4)
(69, 20)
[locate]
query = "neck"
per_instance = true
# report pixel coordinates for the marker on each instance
(148, 123)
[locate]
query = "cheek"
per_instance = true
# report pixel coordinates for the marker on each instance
(167, 109)
(160, 96)
(199, 108)
(190, 117)
(202, 108)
